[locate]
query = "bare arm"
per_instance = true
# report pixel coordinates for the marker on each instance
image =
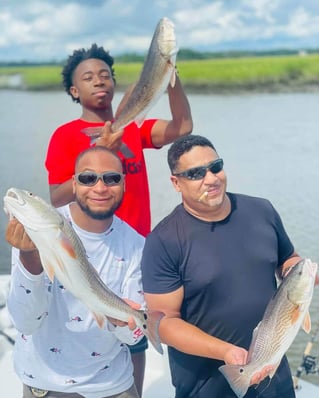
(188, 338)
(61, 194)
(164, 131)
(184, 336)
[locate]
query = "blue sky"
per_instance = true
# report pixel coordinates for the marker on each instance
(49, 30)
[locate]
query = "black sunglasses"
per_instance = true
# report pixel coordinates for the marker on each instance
(197, 173)
(90, 178)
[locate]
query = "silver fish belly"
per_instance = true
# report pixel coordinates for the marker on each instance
(286, 312)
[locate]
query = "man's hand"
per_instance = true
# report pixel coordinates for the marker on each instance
(109, 139)
(131, 322)
(29, 255)
(238, 356)
(17, 237)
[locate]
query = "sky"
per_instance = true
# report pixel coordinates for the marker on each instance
(50, 30)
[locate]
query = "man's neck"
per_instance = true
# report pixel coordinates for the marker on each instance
(212, 214)
(97, 116)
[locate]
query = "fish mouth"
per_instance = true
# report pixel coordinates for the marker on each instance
(12, 193)
(11, 200)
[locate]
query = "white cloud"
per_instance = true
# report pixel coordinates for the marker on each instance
(302, 24)
(51, 29)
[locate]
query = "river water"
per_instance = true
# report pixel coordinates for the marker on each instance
(269, 143)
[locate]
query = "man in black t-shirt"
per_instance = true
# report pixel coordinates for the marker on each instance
(211, 267)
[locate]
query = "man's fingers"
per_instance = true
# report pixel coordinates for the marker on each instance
(259, 376)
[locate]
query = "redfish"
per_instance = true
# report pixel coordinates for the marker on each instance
(285, 314)
(63, 256)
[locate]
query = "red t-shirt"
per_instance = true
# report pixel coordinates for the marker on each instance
(68, 141)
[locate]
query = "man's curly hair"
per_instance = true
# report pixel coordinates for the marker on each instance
(81, 55)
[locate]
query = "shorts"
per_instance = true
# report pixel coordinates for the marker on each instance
(141, 346)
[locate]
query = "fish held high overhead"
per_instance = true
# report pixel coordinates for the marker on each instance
(286, 312)
(63, 256)
(158, 71)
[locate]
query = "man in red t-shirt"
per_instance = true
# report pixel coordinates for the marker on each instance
(88, 77)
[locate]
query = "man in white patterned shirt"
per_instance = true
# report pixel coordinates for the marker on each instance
(60, 350)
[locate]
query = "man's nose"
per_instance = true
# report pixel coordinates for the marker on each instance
(97, 80)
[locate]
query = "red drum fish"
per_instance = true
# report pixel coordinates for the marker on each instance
(63, 256)
(285, 314)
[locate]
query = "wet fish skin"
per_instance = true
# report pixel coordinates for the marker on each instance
(158, 71)
(63, 256)
(286, 312)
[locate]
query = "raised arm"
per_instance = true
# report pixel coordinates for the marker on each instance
(166, 131)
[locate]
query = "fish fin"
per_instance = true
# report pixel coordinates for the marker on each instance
(253, 342)
(173, 78)
(150, 328)
(140, 120)
(272, 373)
(100, 319)
(93, 132)
(307, 323)
(237, 378)
(126, 152)
(67, 245)
(295, 314)
(49, 269)
(286, 271)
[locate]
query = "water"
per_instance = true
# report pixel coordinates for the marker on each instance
(269, 144)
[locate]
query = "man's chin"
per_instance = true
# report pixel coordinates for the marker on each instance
(99, 215)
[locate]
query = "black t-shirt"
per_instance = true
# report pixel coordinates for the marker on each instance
(227, 270)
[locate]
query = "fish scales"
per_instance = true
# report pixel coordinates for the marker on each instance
(158, 71)
(286, 312)
(63, 256)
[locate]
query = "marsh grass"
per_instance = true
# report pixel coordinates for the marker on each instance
(231, 73)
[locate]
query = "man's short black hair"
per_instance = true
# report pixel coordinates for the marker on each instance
(81, 55)
(182, 145)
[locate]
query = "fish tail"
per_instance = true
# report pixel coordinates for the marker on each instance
(150, 328)
(237, 377)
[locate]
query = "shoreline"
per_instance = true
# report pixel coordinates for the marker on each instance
(203, 88)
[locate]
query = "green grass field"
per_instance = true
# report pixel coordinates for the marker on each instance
(228, 73)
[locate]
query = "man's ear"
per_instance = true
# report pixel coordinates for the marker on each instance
(175, 183)
(74, 92)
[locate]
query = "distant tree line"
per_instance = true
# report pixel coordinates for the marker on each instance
(184, 54)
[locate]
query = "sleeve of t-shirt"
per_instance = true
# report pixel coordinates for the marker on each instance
(28, 297)
(146, 133)
(160, 265)
(285, 247)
